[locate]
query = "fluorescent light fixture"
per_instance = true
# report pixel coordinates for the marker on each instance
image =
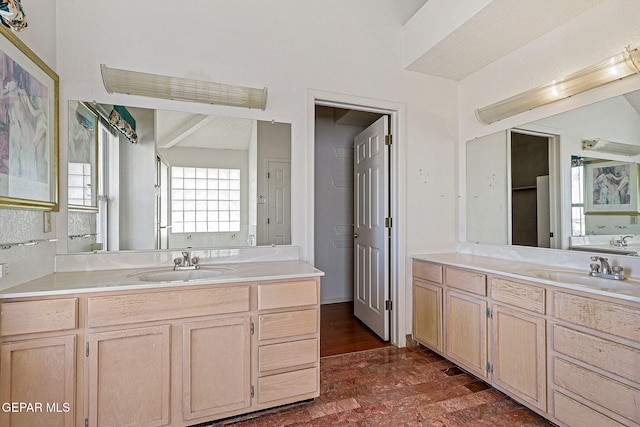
(615, 68)
(604, 146)
(180, 89)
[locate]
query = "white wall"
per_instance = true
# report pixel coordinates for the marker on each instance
(17, 225)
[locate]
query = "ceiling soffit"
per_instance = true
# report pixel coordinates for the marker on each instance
(472, 42)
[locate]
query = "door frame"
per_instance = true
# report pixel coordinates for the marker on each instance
(397, 262)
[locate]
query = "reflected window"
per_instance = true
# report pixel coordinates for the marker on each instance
(79, 184)
(577, 197)
(205, 200)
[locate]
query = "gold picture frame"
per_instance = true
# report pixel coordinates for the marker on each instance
(28, 128)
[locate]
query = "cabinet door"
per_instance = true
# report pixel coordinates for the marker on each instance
(39, 372)
(129, 377)
(466, 325)
(519, 354)
(216, 366)
(427, 314)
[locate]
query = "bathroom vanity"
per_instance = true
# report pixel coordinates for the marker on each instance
(568, 351)
(103, 348)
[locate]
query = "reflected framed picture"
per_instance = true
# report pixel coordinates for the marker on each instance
(82, 154)
(611, 187)
(28, 128)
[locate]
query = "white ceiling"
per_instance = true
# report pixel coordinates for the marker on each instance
(471, 43)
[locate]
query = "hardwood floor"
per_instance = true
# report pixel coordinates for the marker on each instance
(341, 332)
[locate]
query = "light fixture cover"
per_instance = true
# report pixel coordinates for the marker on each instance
(181, 89)
(604, 146)
(622, 65)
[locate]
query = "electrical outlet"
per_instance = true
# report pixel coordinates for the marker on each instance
(4, 270)
(633, 219)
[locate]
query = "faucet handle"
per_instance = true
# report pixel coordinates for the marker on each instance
(617, 269)
(595, 267)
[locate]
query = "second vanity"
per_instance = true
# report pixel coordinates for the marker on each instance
(105, 348)
(568, 351)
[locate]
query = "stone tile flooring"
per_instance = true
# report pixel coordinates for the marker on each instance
(396, 387)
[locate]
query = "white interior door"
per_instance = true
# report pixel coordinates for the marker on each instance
(279, 203)
(371, 238)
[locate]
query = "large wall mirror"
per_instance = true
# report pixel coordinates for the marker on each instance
(190, 180)
(539, 185)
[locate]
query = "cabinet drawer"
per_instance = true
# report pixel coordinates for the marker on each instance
(288, 294)
(604, 354)
(616, 319)
(287, 354)
(427, 271)
(28, 317)
(613, 395)
(518, 294)
(469, 281)
(574, 413)
(146, 307)
(282, 386)
(281, 325)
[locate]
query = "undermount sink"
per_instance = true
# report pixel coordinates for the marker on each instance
(170, 275)
(572, 278)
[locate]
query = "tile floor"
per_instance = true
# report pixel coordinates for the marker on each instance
(396, 387)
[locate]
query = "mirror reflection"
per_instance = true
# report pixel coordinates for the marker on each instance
(190, 180)
(547, 184)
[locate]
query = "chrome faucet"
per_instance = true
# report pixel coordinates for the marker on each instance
(623, 241)
(604, 270)
(186, 262)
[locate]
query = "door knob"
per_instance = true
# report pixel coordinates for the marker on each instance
(355, 235)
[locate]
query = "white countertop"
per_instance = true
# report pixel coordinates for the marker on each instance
(128, 279)
(527, 271)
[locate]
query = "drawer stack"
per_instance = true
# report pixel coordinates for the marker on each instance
(596, 361)
(288, 340)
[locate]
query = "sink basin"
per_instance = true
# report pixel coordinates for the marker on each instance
(586, 280)
(170, 275)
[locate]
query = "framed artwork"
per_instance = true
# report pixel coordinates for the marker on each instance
(28, 128)
(82, 154)
(611, 188)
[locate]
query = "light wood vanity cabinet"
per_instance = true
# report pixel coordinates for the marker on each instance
(573, 357)
(518, 340)
(595, 373)
(38, 343)
(164, 357)
(427, 307)
(288, 342)
(466, 319)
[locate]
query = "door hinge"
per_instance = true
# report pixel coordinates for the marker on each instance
(86, 349)
(268, 175)
(268, 220)
(86, 422)
(388, 304)
(489, 368)
(388, 222)
(252, 392)
(388, 139)
(253, 328)
(489, 313)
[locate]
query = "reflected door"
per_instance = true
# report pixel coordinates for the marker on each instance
(371, 242)
(279, 203)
